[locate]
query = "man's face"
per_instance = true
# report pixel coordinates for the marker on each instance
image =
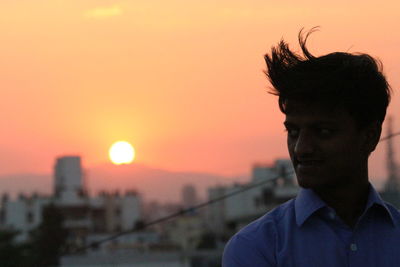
(325, 146)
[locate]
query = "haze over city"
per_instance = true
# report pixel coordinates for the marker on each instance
(182, 82)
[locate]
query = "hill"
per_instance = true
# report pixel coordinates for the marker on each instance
(151, 183)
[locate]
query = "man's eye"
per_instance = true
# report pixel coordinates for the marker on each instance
(324, 132)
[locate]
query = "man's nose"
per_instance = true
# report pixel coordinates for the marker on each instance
(305, 144)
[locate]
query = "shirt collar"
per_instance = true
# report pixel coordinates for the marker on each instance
(308, 202)
(375, 199)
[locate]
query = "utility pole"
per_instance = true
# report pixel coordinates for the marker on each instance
(392, 183)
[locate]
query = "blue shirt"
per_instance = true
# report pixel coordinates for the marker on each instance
(305, 232)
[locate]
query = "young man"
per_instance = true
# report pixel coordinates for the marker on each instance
(335, 106)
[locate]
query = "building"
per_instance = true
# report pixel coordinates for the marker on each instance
(186, 231)
(270, 185)
(216, 212)
(84, 215)
(189, 196)
(114, 212)
(23, 214)
(69, 183)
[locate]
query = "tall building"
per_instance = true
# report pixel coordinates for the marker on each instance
(69, 184)
(189, 196)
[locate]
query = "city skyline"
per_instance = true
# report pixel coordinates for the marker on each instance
(182, 83)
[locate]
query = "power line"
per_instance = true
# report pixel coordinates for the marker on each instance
(188, 210)
(177, 214)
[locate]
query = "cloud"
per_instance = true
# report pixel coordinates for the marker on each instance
(103, 12)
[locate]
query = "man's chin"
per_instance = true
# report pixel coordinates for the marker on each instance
(315, 184)
(308, 182)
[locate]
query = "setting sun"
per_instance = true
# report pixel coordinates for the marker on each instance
(122, 152)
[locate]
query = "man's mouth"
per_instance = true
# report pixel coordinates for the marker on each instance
(308, 163)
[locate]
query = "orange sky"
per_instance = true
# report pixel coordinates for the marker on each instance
(181, 80)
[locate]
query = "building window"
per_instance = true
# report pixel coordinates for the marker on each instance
(117, 212)
(2, 216)
(29, 217)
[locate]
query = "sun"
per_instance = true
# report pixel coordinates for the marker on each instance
(121, 152)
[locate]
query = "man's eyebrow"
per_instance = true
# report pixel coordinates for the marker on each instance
(312, 124)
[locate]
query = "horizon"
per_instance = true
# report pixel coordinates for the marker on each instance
(97, 181)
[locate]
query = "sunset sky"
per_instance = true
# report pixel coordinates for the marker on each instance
(182, 81)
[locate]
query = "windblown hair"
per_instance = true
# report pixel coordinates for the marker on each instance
(353, 81)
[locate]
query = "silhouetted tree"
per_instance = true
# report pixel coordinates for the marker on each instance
(49, 238)
(43, 248)
(9, 251)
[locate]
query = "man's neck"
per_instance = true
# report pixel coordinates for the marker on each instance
(349, 202)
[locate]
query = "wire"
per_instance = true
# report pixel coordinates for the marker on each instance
(191, 209)
(177, 214)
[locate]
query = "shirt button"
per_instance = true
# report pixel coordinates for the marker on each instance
(353, 247)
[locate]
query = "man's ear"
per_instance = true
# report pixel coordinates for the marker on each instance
(372, 135)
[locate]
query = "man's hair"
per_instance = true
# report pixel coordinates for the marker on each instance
(352, 81)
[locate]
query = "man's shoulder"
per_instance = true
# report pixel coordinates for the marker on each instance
(394, 212)
(254, 244)
(267, 223)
